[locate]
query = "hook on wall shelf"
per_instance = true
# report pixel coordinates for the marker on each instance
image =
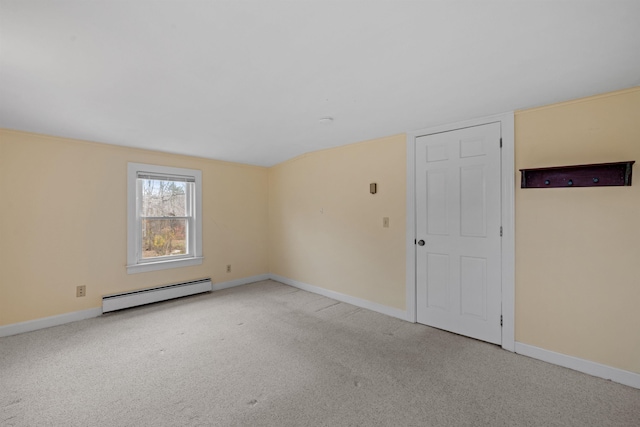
(593, 175)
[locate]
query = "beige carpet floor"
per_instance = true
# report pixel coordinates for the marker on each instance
(267, 354)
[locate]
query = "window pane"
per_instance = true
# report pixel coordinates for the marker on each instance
(164, 198)
(163, 237)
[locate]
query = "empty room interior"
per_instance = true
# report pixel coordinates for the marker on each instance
(319, 213)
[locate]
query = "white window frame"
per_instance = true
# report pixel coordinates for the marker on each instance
(134, 262)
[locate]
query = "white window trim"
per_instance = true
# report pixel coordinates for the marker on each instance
(132, 228)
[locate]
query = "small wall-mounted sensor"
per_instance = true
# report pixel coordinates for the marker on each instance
(373, 188)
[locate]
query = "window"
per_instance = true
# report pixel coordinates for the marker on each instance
(164, 217)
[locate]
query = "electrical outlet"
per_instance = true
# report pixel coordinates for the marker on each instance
(228, 268)
(385, 222)
(81, 291)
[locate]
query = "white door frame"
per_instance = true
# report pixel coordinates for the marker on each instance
(508, 227)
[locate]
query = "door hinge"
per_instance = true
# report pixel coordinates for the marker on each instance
(500, 142)
(500, 231)
(501, 320)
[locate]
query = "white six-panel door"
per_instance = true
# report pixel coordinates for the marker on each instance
(458, 219)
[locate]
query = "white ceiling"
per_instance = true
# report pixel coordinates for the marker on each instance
(247, 81)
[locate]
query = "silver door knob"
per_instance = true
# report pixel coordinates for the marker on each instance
(421, 242)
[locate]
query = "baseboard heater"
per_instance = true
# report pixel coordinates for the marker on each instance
(151, 295)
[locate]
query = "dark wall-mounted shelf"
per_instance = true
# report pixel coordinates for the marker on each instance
(596, 175)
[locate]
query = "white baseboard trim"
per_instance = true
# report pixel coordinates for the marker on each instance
(48, 322)
(238, 282)
(358, 302)
(621, 376)
(61, 319)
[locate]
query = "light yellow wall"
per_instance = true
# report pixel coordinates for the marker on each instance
(578, 249)
(63, 223)
(325, 228)
(312, 219)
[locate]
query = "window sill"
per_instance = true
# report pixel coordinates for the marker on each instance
(162, 265)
